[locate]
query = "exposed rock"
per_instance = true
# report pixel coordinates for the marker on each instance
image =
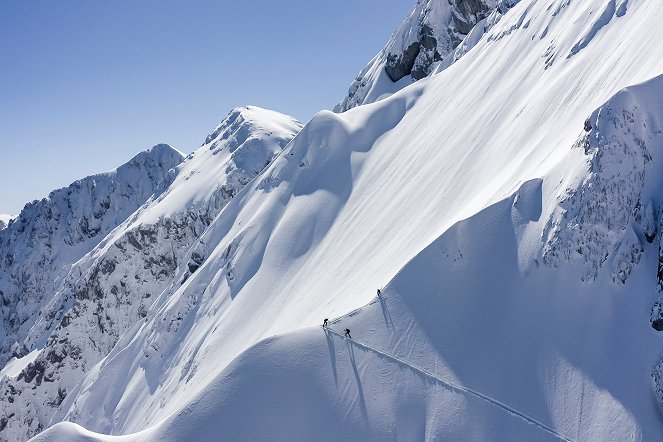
(656, 316)
(657, 383)
(431, 35)
(597, 221)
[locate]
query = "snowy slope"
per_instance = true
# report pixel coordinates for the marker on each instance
(539, 296)
(435, 34)
(112, 287)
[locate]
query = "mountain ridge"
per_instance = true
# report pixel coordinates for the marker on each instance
(506, 205)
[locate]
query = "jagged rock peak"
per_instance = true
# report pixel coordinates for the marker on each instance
(50, 234)
(428, 37)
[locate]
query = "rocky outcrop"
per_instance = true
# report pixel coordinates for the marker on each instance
(4, 220)
(428, 37)
(607, 219)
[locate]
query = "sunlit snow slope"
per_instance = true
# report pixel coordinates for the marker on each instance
(111, 289)
(434, 35)
(527, 321)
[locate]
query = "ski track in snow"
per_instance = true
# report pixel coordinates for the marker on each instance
(444, 382)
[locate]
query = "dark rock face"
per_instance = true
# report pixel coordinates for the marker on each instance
(656, 316)
(468, 13)
(418, 57)
(398, 66)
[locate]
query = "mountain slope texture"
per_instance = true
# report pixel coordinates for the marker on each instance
(507, 203)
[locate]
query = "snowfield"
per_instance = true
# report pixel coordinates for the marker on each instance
(508, 206)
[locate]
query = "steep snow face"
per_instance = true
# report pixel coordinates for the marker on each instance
(357, 195)
(526, 351)
(112, 288)
(435, 34)
(522, 353)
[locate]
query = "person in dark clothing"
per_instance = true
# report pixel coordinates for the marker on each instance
(379, 293)
(347, 333)
(324, 323)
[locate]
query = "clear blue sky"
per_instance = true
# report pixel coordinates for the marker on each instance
(84, 85)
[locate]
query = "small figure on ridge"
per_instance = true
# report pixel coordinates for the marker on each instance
(324, 323)
(347, 333)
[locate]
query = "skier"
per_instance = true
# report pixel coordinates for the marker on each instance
(347, 333)
(379, 293)
(324, 323)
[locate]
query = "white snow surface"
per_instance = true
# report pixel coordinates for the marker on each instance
(503, 203)
(16, 365)
(434, 35)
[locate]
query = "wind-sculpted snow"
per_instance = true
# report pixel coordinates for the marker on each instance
(612, 11)
(239, 249)
(500, 304)
(434, 35)
(443, 354)
(113, 287)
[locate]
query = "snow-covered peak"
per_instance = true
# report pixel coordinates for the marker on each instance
(111, 288)
(4, 220)
(241, 146)
(251, 119)
(434, 35)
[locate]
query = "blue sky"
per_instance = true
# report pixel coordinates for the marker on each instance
(84, 85)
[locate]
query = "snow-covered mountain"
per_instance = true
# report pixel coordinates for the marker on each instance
(508, 206)
(50, 235)
(40, 246)
(112, 287)
(434, 35)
